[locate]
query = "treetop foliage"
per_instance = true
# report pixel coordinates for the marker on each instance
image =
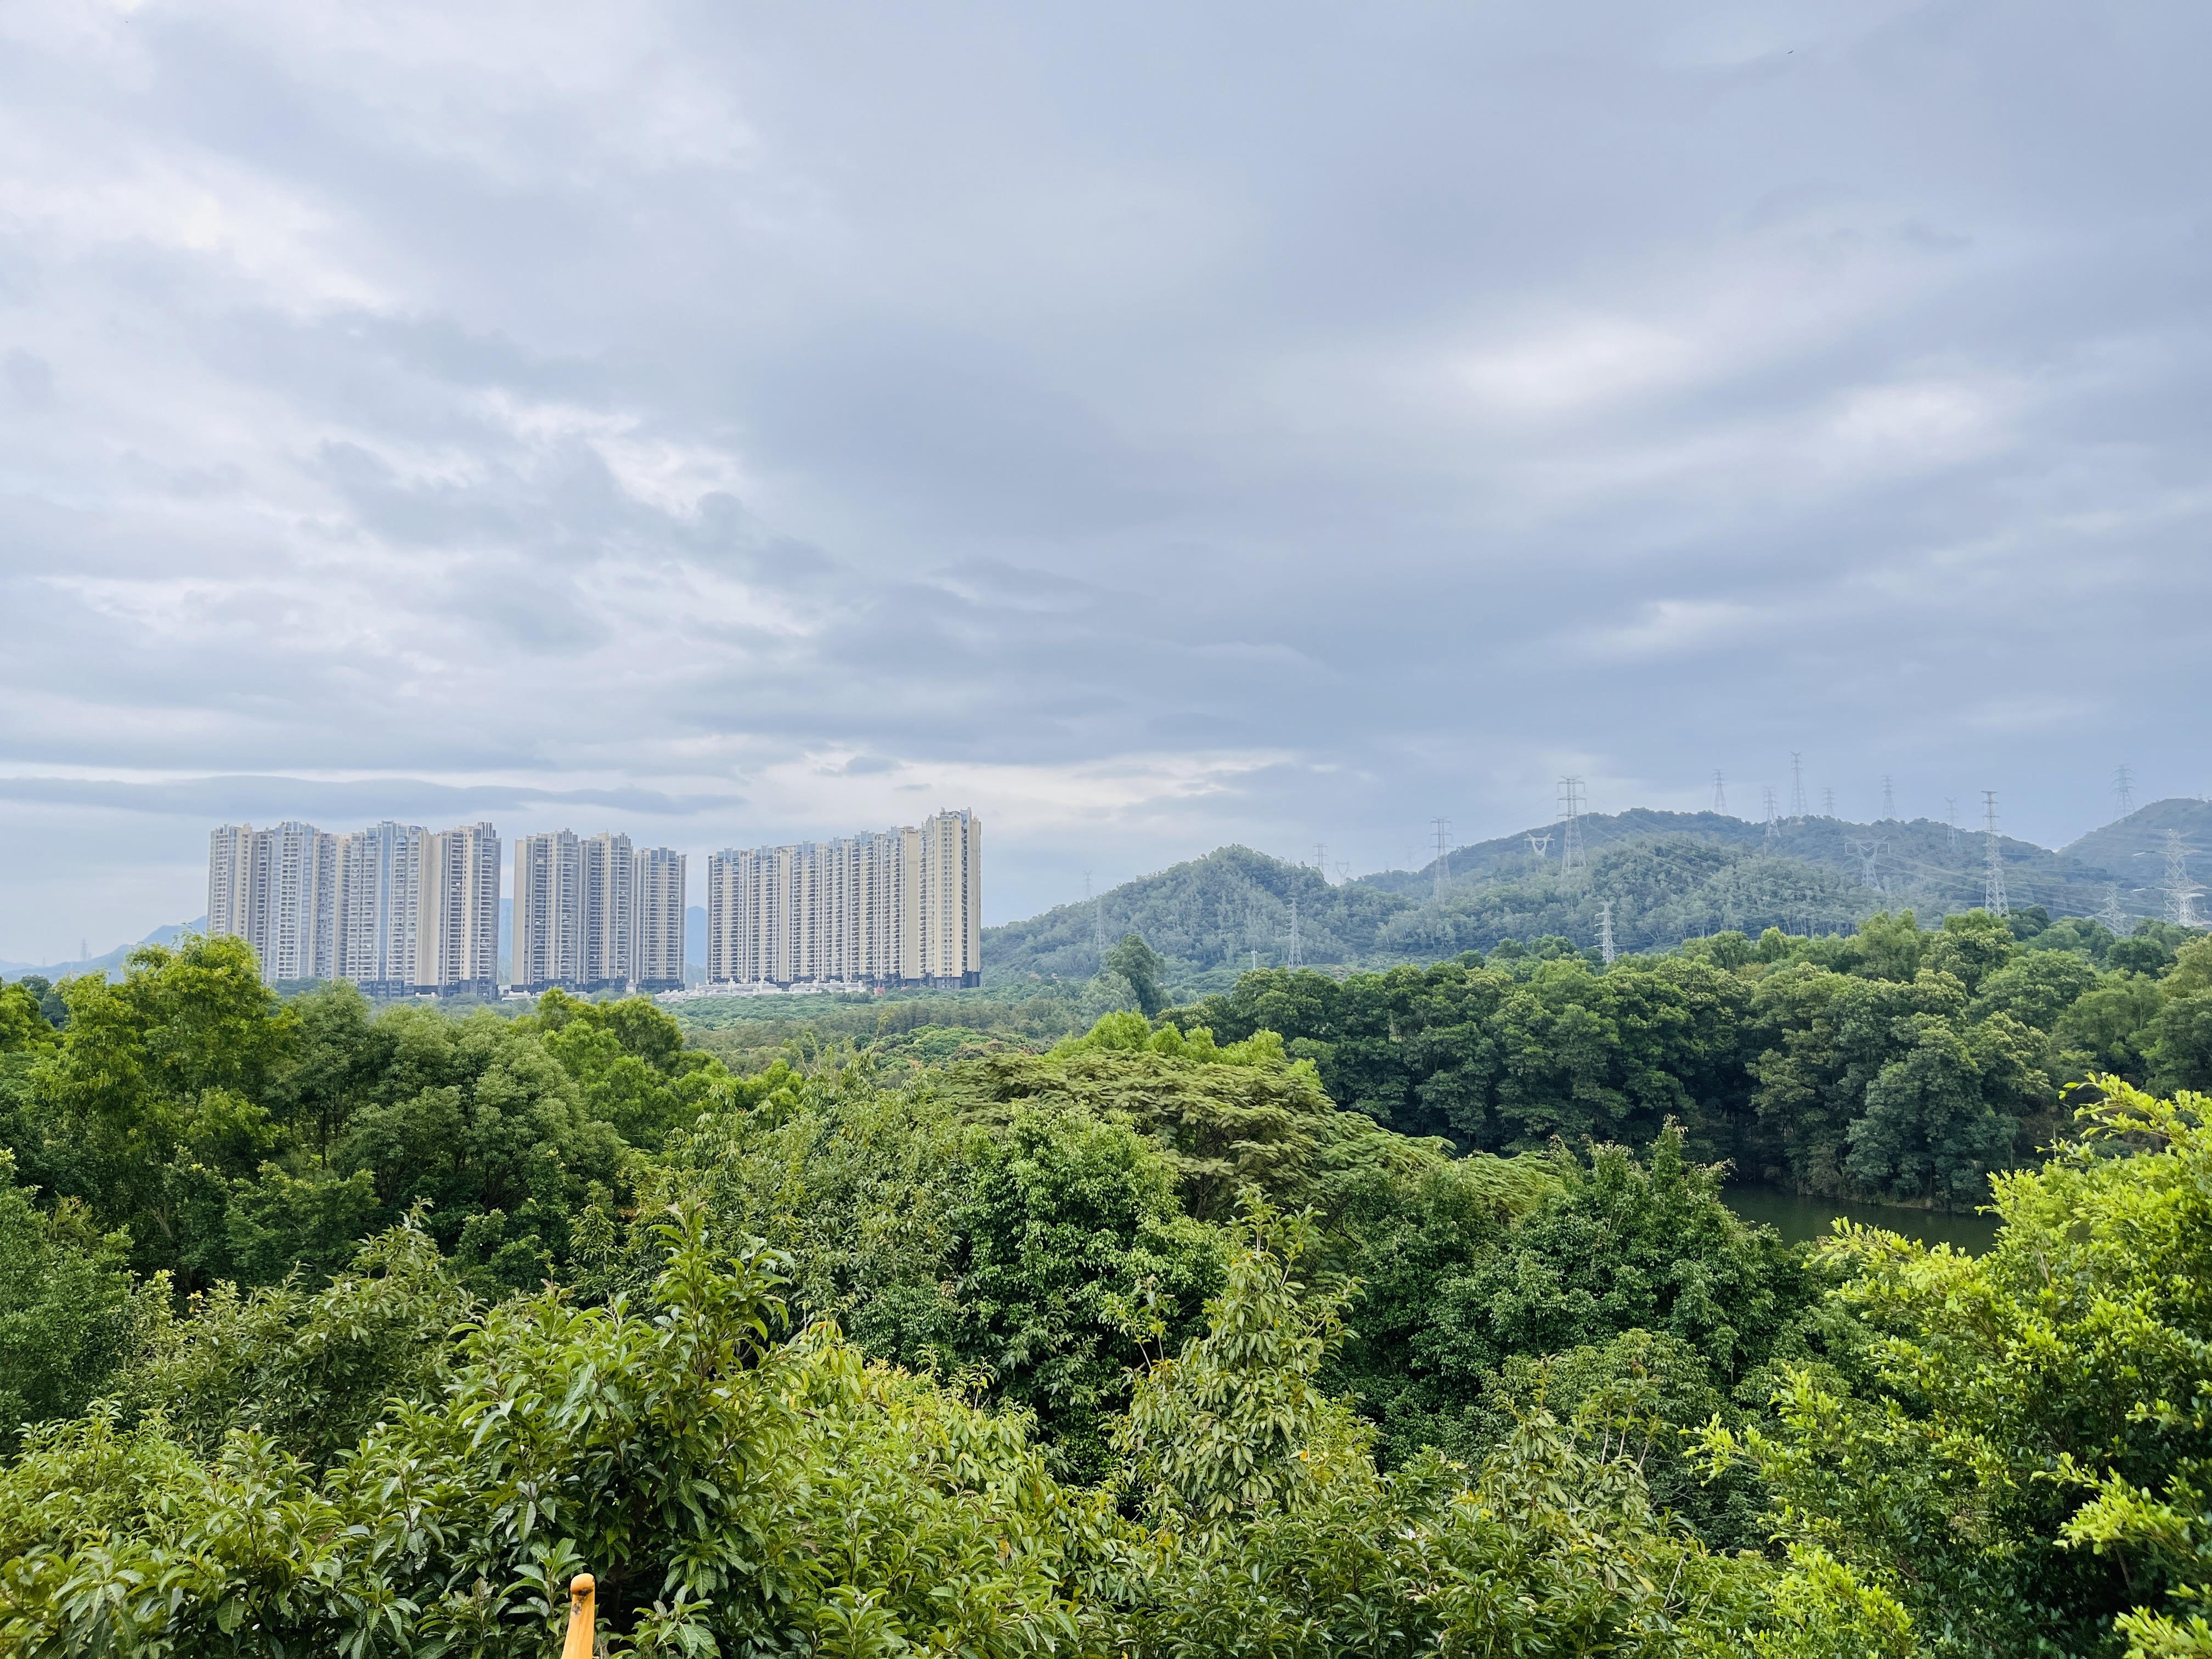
(1398, 1314)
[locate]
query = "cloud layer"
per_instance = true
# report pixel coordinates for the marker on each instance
(1152, 427)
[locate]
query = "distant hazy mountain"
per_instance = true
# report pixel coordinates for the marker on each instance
(108, 962)
(2134, 849)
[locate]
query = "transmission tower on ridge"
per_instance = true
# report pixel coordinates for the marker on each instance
(1870, 850)
(1097, 919)
(2180, 891)
(1297, 958)
(1828, 803)
(1604, 933)
(1773, 828)
(1570, 827)
(1720, 795)
(1321, 859)
(2111, 915)
(1951, 818)
(1443, 853)
(2123, 789)
(1796, 786)
(1993, 892)
(1888, 799)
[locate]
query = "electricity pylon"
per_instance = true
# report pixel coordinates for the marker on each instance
(1571, 861)
(1993, 891)
(2180, 891)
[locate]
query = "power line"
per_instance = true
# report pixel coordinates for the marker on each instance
(1720, 794)
(1571, 861)
(2123, 789)
(1796, 786)
(1993, 891)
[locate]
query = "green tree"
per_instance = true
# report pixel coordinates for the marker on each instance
(23, 1026)
(2179, 1049)
(1928, 1131)
(153, 1101)
(66, 1309)
(310, 1369)
(1071, 1251)
(628, 1061)
(1141, 965)
(1971, 945)
(2021, 1443)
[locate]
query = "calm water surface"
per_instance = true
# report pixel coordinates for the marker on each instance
(1795, 1217)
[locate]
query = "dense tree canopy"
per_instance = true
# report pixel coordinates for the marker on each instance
(1895, 1063)
(1394, 1315)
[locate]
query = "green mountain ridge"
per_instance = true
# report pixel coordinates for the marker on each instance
(1667, 877)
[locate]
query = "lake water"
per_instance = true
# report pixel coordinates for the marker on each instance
(1796, 1216)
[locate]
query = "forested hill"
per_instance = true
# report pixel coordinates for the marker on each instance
(1215, 912)
(2134, 847)
(1666, 876)
(1913, 862)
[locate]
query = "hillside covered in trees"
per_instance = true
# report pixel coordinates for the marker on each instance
(1667, 877)
(330, 1329)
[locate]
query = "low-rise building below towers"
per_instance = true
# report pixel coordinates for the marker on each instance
(891, 907)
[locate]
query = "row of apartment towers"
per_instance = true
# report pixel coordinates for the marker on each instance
(402, 911)
(893, 907)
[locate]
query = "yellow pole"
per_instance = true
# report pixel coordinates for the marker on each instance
(582, 1619)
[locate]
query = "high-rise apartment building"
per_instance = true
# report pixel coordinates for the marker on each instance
(380, 875)
(597, 915)
(949, 897)
(277, 890)
(457, 920)
(657, 946)
(548, 912)
(895, 907)
(611, 912)
(394, 909)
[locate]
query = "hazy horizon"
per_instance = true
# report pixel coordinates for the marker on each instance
(1153, 429)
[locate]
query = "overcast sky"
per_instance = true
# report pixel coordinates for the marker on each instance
(1152, 426)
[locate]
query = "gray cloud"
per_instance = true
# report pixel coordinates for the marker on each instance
(1151, 428)
(348, 803)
